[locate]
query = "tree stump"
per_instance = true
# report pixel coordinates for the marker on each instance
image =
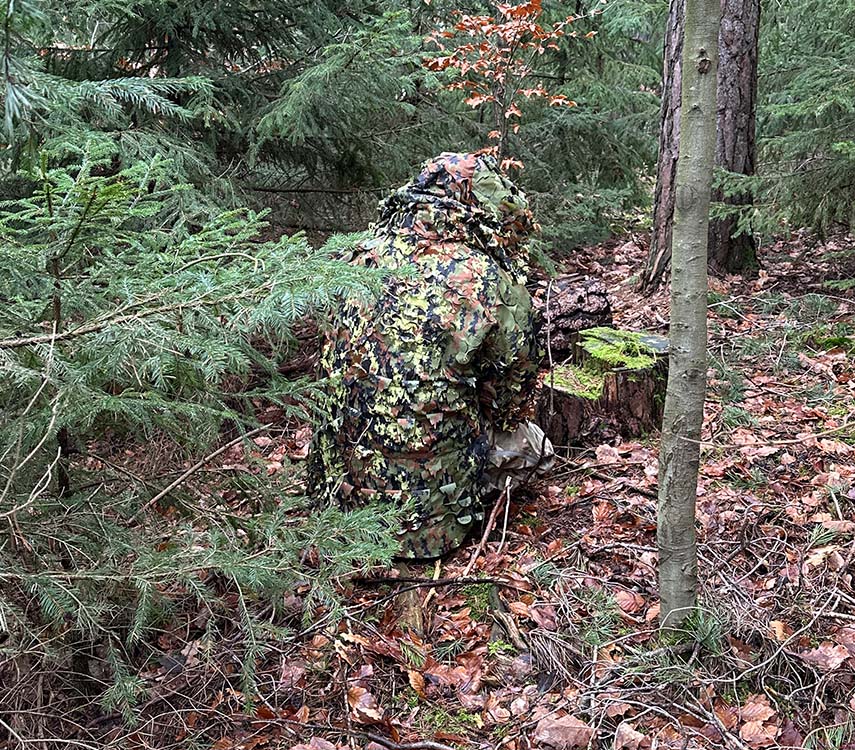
(592, 401)
(574, 304)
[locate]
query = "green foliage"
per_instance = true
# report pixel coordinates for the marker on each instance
(736, 416)
(494, 648)
(586, 165)
(603, 619)
(805, 121)
(833, 737)
(127, 325)
(316, 108)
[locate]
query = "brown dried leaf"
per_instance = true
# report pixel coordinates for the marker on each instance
(316, 743)
(757, 734)
(629, 601)
(790, 736)
(627, 737)
(618, 708)
(841, 527)
(607, 454)
(727, 715)
(520, 706)
(826, 656)
(544, 615)
(756, 711)
(494, 712)
(417, 682)
(292, 674)
(846, 637)
(364, 705)
(780, 630)
(563, 733)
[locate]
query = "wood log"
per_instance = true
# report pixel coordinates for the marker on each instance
(629, 402)
(574, 304)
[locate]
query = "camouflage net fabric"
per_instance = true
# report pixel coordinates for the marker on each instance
(448, 349)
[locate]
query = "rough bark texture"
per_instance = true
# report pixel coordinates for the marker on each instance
(669, 143)
(574, 304)
(631, 405)
(735, 145)
(684, 401)
(735, 148)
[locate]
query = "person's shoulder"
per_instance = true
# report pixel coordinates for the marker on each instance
(464, 256)
(468, 271)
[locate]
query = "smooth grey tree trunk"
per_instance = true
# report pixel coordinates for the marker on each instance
(735, 146)
(684, 400)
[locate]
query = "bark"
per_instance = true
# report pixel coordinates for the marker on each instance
(735, 142)
(684, 400)
(735, 145)
(669, 142)
(575, 303)
(630, 404)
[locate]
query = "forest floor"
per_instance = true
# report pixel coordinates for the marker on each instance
(546, 636)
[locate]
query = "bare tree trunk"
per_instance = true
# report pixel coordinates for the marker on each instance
(735, 146)
(669, 144)
(684, 400)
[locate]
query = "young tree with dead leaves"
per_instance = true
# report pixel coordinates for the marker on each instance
(684, 402)
(494, 56)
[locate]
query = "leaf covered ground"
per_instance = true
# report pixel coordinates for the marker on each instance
(545, 635)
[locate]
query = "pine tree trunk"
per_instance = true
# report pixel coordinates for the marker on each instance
(735, 146)
(669, 143)
(684, 400)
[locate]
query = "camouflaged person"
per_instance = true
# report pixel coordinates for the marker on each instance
(429, 384)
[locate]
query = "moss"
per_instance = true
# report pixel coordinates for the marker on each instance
(608, 349)
(477, 597)
(438, 718)
(624, 349)
(498, 647)
(580, 381)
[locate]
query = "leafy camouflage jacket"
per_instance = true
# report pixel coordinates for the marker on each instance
(416, 375)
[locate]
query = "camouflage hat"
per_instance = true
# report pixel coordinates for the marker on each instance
(466, 190)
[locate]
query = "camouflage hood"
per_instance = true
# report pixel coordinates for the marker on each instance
(461, 198)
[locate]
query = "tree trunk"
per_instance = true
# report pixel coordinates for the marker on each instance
(684, 400)
(735, 149)
(735, 145)
(669, 143)
(630, 403)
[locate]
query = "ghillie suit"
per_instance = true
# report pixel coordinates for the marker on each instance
(421, 376)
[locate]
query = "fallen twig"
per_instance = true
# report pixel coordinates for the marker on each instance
(379, 739)
(198, 465)
(441, 582)
(491, 522)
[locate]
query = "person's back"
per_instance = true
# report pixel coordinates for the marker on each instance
(447, 351)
